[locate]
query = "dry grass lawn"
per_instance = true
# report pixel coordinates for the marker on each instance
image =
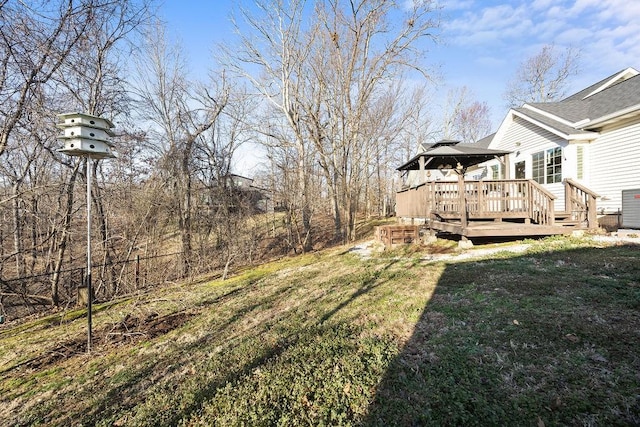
(549, 336)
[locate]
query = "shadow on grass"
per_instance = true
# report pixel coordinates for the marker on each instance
(548, 337)
(302, 354)
(367, 285)
(539, 339)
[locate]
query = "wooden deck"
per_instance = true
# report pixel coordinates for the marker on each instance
(497, 208)
(499, 229)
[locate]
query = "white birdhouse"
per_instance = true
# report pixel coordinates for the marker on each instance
(86, 135)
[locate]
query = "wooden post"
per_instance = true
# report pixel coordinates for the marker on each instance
(592, 219)
(507, 167)
(137, 272)
(568, 199)
(463, 201)
(482, 204)
(81, 291)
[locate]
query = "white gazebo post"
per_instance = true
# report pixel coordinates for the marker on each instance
(87, 136)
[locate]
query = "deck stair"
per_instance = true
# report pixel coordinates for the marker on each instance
(568, 219)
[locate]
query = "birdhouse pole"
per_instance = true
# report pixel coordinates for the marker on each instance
(88, 276)
(87, 136)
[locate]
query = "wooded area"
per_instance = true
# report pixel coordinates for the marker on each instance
(320, 87)
(332, 94)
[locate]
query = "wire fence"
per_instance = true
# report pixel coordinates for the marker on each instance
(29, 294)
(21, 296)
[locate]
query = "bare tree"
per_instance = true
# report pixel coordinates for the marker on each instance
(465, 118)
(181, 114)
(365, 53)
(94, 81)
(54, 56)
(227, 203)
(542, 77)
(34, 43)
(272, 58)
(473, 122)
(418, 125)
(325, 78)
(410, 127)
(457, 99)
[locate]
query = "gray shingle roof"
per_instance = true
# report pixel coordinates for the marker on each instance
(484, 142)
(615, 98)
(586, 91)
(573, 111)
(575, 108)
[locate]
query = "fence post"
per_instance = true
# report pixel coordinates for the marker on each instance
(619, 218)
(137, 272)
(82, 298)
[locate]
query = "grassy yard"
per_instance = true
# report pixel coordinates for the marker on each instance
(546, 337)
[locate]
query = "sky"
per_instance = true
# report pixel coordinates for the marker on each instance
(480, 43)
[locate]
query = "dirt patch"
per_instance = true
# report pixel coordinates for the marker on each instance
(63, 351)
(129, 330)
(133, 328)
(435, 248)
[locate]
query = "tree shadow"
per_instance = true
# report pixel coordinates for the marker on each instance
(526, 340)
(367, 286)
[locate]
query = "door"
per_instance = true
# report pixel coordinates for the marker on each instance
(520, 170)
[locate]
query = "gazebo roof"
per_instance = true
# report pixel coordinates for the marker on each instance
(450, 154)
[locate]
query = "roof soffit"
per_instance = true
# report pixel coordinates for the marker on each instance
(556, 127)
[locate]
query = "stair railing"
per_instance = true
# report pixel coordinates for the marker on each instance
(580, 202)
(542, 209)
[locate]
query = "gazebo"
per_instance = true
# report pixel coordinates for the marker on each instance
(475, 208)
(450, 154)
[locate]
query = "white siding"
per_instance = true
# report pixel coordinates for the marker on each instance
(523, 139)
(614, 164)
(415, 177)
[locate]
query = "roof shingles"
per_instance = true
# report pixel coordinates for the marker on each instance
(580, 107)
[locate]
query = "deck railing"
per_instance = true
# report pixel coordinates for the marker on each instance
(413, 202)
(519, 199)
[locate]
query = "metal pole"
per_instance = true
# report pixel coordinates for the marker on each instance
(89, 290)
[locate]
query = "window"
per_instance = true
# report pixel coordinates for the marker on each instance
(547, 166)
(580, 165)
(554, 165)
(537, 167)
(495, 172)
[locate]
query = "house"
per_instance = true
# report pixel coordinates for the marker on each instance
(566, 166)
(591, 137)
(239, 191)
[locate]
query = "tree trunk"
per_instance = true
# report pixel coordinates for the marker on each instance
(185, 213)
(307, 238)
(64, 236)
(18, 246)
(108, 273)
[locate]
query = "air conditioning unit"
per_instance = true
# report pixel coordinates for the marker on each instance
(631, 208)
